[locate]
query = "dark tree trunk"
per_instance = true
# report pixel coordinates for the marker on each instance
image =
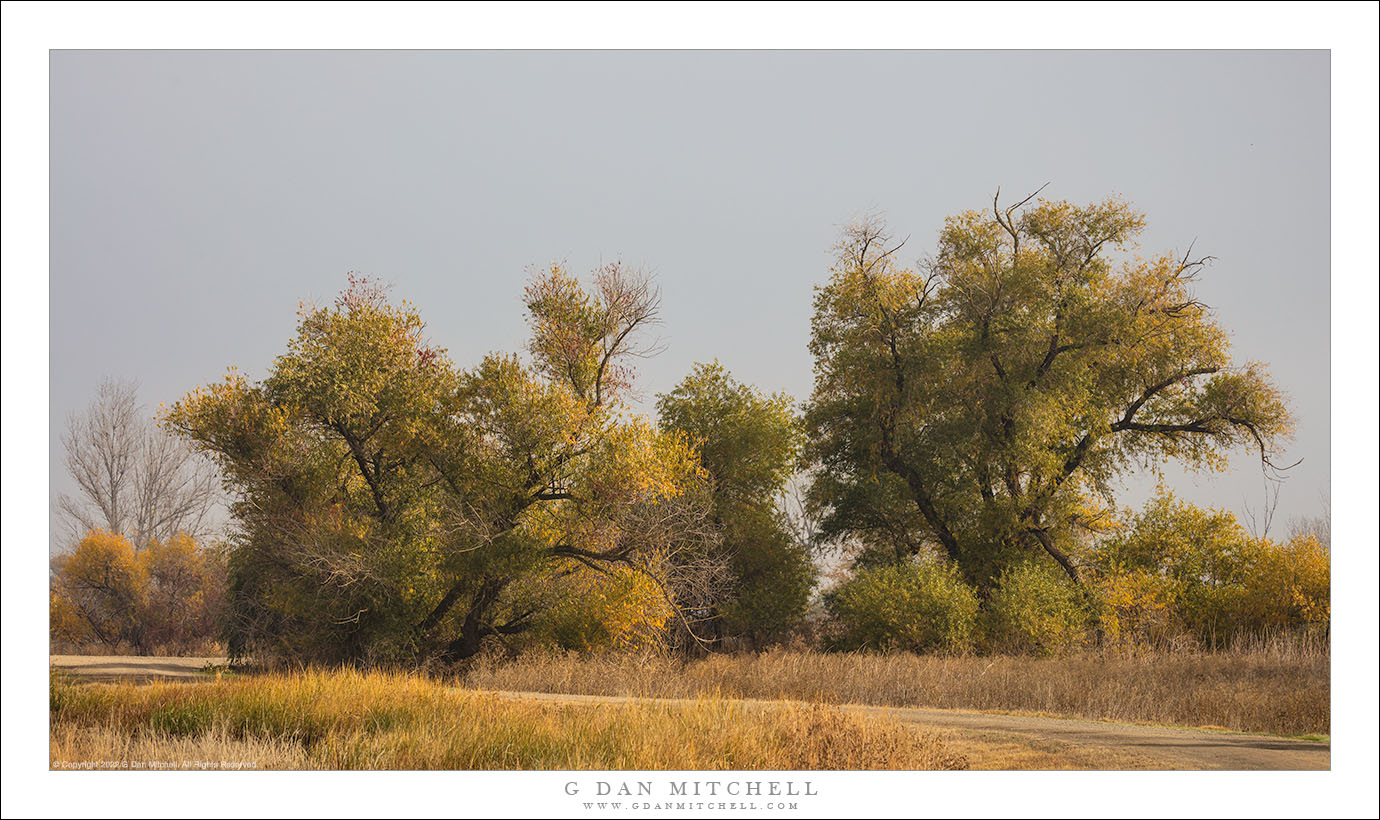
(476, 625)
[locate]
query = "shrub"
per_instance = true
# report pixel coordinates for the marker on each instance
(183, 601)
(97, 590)
(1034, 609)
(919, 607)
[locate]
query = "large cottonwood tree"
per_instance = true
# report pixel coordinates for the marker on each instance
(982, 404)
(392, 506)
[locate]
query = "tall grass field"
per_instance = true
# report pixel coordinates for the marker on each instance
(1271, 687)
(347, 719)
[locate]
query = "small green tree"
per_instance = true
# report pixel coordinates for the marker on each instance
(749, 444)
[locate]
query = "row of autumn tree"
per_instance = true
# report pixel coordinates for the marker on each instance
(969, 418)
(1174, 577)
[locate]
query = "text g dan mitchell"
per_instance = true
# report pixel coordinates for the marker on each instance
(695, 788)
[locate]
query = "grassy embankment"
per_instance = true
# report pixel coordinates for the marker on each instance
(352, 720)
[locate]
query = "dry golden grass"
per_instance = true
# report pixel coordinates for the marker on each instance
(1280, 689)
(74, 746)
(353, 720)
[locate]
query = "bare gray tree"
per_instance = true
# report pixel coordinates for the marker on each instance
(1319, 526)
(133, 478)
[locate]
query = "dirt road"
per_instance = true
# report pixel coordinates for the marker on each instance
(1018, 741)
(133, 667)
(991, 741)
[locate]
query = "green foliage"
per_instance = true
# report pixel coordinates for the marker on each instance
(978, 407)
(749, 444)
(1035, 609)
(876, 513)
(772, 576)
(914, 606)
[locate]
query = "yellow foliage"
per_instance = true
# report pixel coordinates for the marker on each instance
(1137, 608)
(99, 586)
(165, 596)
(65, 622)
(1180, 570)
(622, 610)
(1290, 584)
(103, 560)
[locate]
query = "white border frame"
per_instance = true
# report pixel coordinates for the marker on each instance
(1348, 30)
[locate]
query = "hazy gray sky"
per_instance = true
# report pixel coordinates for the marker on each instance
(196, 197)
